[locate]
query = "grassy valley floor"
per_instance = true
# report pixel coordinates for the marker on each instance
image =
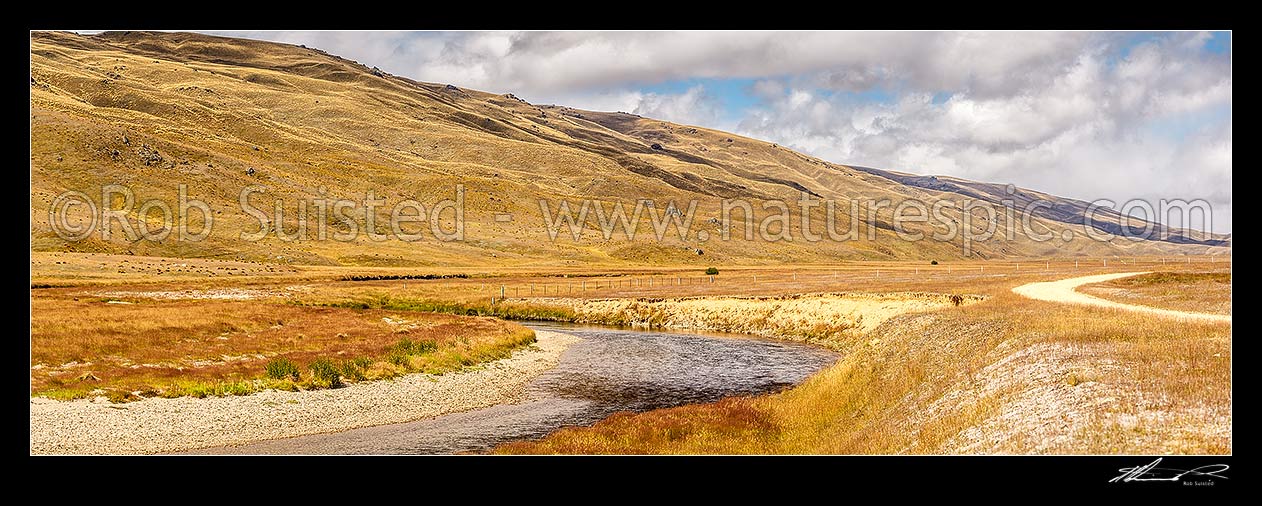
(936, 358)
(1202, 292)
(1006, 375)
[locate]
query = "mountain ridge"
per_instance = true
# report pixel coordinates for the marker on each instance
(222, 114)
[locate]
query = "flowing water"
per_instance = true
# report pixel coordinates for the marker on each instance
(609, 370)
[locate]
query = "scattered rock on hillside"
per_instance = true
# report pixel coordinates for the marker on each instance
(149, 155)
(249, 171)
(656, 146)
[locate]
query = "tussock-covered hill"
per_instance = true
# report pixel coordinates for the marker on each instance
(152, 111)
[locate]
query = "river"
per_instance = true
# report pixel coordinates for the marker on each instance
(608, 371)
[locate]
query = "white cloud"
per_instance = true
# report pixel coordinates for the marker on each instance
(564, 62)
(1082, 114)
(1153, 125)
(693, 107)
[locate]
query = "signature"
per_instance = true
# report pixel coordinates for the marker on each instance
(1151, 472)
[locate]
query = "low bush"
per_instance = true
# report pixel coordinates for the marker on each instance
(282, 368)
(325, 373)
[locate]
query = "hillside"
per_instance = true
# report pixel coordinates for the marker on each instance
(155, 110)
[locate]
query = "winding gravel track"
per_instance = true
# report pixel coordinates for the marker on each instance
(1065, 291)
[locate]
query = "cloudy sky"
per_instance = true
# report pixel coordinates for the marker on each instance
(1089, 115)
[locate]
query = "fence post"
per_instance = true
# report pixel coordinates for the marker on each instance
(501, 291)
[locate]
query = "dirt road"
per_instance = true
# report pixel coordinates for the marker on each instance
(1064, 291)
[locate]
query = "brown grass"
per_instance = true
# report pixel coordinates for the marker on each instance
(314, 125)
(1203, 292)
(1006, 375)
(828, 319)
(194, 347)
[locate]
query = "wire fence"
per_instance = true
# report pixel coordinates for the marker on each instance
(812, 277)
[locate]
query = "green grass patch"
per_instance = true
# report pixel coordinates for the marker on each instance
(324, 373)
(282, 368)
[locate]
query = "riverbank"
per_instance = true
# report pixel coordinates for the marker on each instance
(169, 425)
(1007, 375)
(831, 320)
(127, 345)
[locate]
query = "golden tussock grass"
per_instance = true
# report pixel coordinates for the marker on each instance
(827, 319)
(81, 345)
(1003, 375)
(311, 124)
(1203, 292)
(1006, 375)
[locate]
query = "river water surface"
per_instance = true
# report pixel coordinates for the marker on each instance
(609, 370)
